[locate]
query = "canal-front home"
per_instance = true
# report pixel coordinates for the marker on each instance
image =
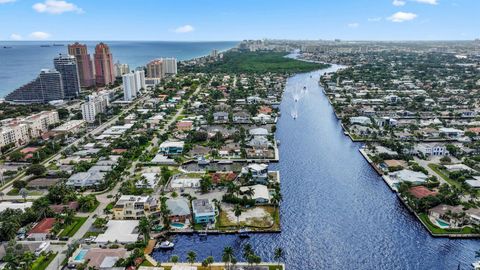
(258, 173)
(179, 210)
(203, 211)
(261, 194)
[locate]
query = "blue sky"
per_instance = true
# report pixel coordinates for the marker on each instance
(198, 20)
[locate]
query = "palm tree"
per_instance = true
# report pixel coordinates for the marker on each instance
(174, 259)
(144, 228)
(209, 260)
(278, 255)
(227, 256)
(237, 210)
(1, 195)
(247, 251)
(191, 256)
(275, 200)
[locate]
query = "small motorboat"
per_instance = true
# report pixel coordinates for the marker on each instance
(164, 245)
(243, 233)
(476, 265)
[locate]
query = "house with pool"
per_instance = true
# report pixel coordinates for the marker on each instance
(179, 212)
(204, 211)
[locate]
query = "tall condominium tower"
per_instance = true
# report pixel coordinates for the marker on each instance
(67, 66)
(46, 87)
(121, 69)
(129, 86)
(84, 63)
(155, 69)
(103, 65)
(170, 65)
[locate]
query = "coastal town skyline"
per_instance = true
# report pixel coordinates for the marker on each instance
(215, 20)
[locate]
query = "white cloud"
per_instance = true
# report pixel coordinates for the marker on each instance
(353, 25)
(430, 2)
(56, 7)
(39, 35)
(402, 17)
(184, 29)
(399, 3)
(375, 19)
(7, 1)
(15, 36)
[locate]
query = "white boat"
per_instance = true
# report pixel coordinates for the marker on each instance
(476, 265)
(243, 233)
(165, 245)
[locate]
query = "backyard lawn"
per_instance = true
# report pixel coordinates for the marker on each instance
(43, 261)
(71, 229)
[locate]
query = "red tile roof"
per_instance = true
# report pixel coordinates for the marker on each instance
(421, 192)
(43, 226)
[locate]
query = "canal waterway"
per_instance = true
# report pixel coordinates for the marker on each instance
(336, 213)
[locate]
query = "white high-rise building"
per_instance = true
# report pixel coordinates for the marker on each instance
(121, 69)
(129, 86)
(140, 80)
(95, 104)
(170, 65)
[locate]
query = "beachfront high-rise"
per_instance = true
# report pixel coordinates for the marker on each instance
(84, 63)
(155, 69)
(160, 67)
(121, 69)
(67, 66)
(104, 72)
(48, 86)
(170, 65)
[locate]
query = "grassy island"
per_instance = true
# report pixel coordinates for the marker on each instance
(258, 62)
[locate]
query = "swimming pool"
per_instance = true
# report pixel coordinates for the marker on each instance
(81, 255)
(442, 223)
(177, 225)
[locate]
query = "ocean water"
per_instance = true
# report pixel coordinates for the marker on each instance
(22, 62)
(337, 213)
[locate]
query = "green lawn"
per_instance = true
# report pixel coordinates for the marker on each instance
(436, 230)
(71, 229)
(258, 62)
(275, 267)
(43, 261)
(444, 175)
(88, 234)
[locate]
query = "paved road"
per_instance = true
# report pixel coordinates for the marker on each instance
(104, 197)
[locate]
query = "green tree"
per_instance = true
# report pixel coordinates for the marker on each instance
(278, 255)
(174, 259)
(191, 256)
(144, 228)
(237, 210)
(36, 169)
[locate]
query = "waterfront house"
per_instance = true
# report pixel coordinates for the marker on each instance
(171, 147)
(420, 192)
(261, 195)
(259, 143)
(258, 172)
(203, 211)
(408, 176)
(360, 120)
(179, 210)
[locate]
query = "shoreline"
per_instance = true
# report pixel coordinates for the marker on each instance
(390, 185)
